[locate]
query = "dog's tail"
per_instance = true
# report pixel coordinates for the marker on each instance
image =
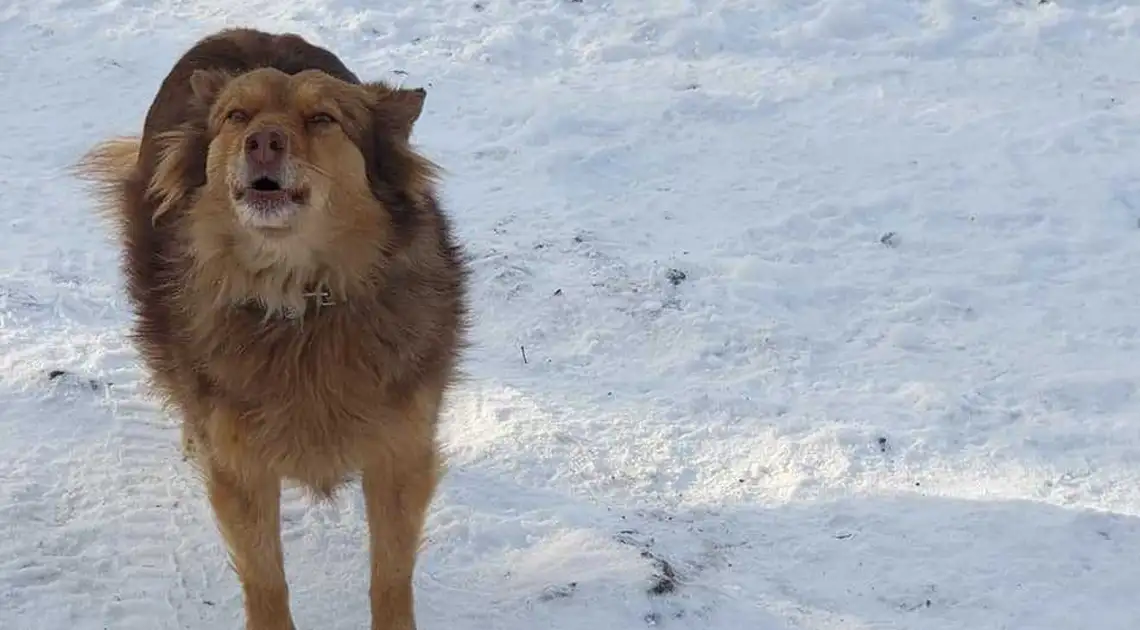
(110, 167)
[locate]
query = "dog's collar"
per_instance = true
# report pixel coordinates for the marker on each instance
(316, 299)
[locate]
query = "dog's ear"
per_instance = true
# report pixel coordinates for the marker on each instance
(395, 170)
(206, 85)
(181, 165)
(396, 110)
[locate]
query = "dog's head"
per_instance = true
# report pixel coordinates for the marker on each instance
(294, 160)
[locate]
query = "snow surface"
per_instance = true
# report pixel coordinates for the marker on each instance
(896, 386)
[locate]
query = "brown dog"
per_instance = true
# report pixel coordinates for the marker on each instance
(299, 300)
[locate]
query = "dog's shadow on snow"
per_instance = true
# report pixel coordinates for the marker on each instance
(509, 556)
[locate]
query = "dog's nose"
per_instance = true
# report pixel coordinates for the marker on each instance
(266, 147)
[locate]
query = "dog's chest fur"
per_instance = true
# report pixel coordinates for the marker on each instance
(302, 396)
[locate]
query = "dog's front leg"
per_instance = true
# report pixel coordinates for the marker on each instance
(397, 491)
(249, 516)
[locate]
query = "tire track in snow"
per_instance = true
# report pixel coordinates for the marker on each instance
(106, 526)
(169, 529)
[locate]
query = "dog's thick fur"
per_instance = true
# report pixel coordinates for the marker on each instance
(271, 384)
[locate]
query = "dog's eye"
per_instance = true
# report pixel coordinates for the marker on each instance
(320, 119)
(237, 116)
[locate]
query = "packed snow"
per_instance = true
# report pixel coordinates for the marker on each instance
(789, 314)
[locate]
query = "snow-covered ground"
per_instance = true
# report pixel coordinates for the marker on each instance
(829, 310)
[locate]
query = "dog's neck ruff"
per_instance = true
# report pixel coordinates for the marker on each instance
(316, 299)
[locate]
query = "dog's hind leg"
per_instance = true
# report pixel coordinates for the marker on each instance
(249, 516)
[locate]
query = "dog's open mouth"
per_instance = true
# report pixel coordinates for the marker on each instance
(267, 195)
(265, 184)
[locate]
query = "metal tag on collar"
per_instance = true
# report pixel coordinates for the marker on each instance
(323, 296)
